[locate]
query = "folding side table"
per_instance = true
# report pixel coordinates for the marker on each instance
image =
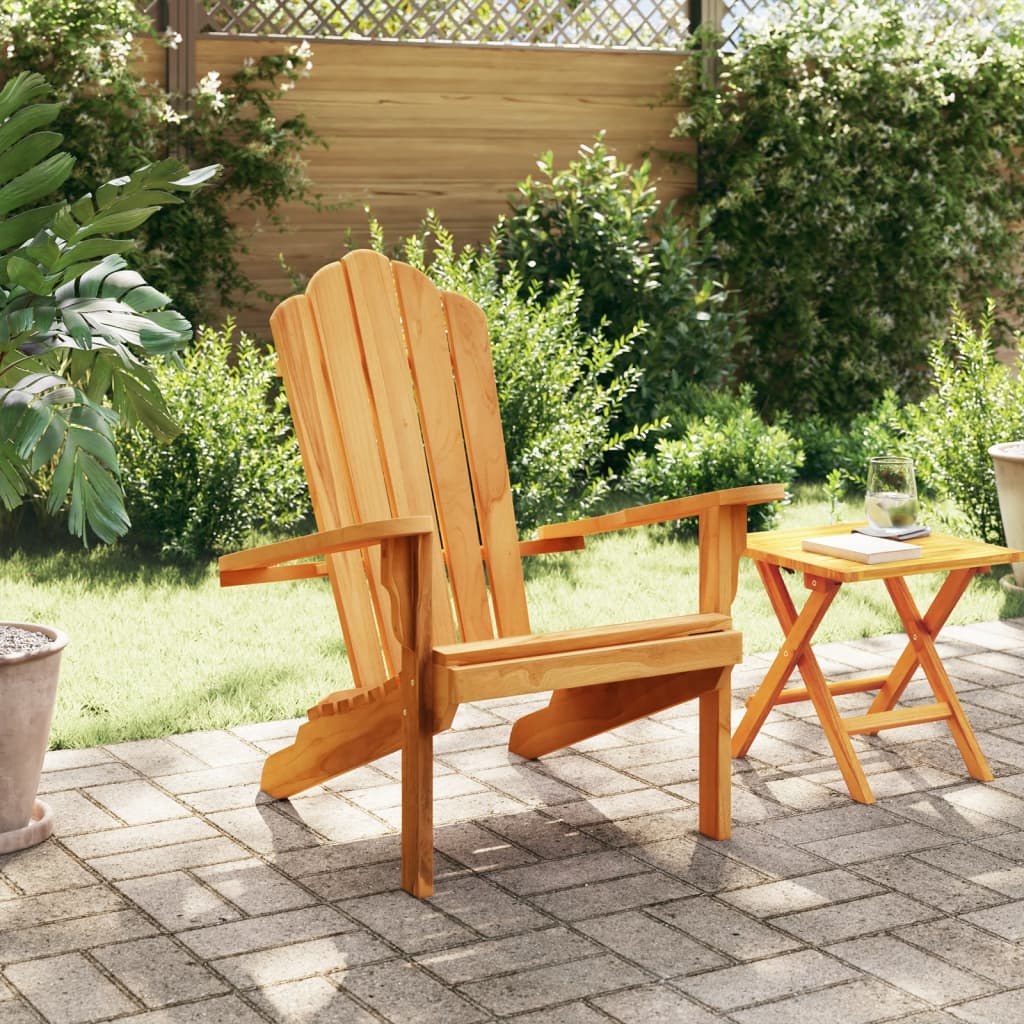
(823, 576)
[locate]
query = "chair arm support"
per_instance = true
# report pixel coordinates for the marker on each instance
(550, 545)
(665, 511)
(266, 563)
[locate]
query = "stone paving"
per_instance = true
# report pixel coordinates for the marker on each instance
(574, 890)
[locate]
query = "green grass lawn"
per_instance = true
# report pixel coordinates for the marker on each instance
(157, 650)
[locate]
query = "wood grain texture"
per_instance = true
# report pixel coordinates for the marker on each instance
(576, 714)
(539, 673)
(444, 445)
(412, 127)
(823, 577)
(938, 552)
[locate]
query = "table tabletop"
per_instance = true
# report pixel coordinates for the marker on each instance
(938, 552)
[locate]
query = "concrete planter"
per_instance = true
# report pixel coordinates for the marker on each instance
(28, 690)
(1008, 459)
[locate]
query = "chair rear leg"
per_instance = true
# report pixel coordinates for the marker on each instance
(344, 731)
(585, 711)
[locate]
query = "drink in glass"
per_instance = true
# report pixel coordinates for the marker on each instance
(891, 501)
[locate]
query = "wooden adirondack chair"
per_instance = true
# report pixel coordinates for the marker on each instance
(392, 390)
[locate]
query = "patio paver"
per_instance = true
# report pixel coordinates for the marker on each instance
(573, 890)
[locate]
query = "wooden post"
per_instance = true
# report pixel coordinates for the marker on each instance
(185, 17)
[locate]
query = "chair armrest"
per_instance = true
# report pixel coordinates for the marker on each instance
(267, 563)
(664, 511)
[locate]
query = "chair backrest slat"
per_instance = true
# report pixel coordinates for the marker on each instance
(485, 447)
(300, 360)
(431, 362)
(392, 396)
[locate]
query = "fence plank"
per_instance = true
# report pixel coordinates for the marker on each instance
(452, 128)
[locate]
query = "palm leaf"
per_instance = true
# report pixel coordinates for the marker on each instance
(87, 475)
(78, 323)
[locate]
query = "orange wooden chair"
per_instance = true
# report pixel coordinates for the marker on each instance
(392, 390)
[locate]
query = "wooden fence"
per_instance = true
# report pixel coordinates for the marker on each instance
(412, 127)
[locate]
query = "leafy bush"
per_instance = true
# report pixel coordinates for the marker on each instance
(975, 402)
(558, 389)
(732, 447)
(114, 121)
(884, 429)
(601, 222)
(859, 167)
(234, 468)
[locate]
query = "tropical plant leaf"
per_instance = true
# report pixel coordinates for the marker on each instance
(26, 153)
(87, 475)
(25, 225)
(25, 122)
(108, 223)
(139, 400)
(25, 273)
(13, 484)
(166, 331)
(32, 417)
(77, 322)
(36, 183)
(85, 255)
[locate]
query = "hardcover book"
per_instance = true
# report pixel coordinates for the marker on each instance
(858, 547)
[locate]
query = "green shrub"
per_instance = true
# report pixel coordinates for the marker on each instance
(113, 121)
(558, 389)
(884, 429)
(733, 447)
(975, 402)
(601, 222)
(234, 468)
(859, 165)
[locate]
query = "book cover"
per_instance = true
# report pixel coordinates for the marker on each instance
(906, 533)
(857, 547)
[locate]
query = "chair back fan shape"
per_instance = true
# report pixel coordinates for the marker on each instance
(392, 391)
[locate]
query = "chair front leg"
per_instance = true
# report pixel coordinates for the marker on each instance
(715, 778)
(406, 570)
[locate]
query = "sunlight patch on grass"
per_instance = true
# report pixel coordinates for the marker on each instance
(156, 650)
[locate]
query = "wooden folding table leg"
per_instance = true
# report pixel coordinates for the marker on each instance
(835, 732)
(939, 610)
(798, 630)
(923, 641)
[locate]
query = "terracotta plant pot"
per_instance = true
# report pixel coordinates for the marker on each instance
(28, 690)
(1008, 460)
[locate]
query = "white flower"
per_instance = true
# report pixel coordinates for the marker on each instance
(209, 86)
(172, 39)
(169, 115)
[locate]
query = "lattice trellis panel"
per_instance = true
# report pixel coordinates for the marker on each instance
(657, 24)
(732, 16)
(734, 11)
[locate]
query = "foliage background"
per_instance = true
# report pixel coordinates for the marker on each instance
(114, 121)
(642, 269)
(858, 169)
(233, 468)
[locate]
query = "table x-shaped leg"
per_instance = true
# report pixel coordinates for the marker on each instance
(921, 631)
(796, 652)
